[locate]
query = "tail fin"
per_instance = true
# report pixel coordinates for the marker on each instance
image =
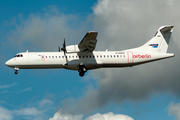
(159, 43)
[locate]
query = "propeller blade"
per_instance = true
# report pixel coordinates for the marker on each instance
(59, 49)
(64, 43)
(64, 47)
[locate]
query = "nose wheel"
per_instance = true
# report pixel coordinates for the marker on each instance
(16, 70)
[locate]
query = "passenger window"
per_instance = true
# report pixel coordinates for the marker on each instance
(117, 55)
(79, 56)
(46, 56)
(86, 56)
(83, 56)
(52, 56)
(49, 56)
(104, 56)
(93, 56)
(107, 55)
(111, 55)
(124, 55)
(56, 56)
(73, 56)
(97, 56)
(90, 56)
(69, 56)
(59, 56)
(101, 56)
(62, 56)
(120, 55)
(114, 56)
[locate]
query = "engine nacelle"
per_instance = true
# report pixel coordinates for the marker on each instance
(72, 49)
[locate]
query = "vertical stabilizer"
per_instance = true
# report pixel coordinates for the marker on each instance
(159, 43)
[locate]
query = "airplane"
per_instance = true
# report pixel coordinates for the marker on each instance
(82, 57)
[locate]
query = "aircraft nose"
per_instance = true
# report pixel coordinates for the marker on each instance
(8, 63)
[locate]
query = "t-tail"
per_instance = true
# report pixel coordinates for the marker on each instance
(160, 42)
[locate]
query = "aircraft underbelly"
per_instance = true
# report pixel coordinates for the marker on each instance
(39, 66)
(116, 65)
(74, 65)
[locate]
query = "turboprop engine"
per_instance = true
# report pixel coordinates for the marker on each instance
(72, 49)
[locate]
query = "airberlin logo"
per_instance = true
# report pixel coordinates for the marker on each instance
(154, 45)
(142, 56)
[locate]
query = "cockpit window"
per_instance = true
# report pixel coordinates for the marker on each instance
(18, 55)
(156, 34)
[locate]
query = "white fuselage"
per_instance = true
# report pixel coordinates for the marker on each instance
(82, 57)
(94, 60)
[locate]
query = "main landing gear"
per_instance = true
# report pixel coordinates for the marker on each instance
(82, 70)
(16, 70)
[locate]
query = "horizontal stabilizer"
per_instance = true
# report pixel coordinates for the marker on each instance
(166, 29)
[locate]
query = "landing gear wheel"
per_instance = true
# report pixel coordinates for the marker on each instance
(82, 70)
(81, 74)
(16, 72)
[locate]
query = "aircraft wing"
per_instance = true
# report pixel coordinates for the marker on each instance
(89, 41)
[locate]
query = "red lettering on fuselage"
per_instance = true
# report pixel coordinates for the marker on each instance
(142, 56)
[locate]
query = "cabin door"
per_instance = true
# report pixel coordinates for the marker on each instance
(130, 57)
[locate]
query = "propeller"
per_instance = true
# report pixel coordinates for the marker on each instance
(58, 48)
(64, 49)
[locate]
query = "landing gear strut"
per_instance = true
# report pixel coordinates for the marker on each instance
(16, 70)
(82, 70)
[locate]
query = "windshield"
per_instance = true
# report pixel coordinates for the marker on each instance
(18, 55)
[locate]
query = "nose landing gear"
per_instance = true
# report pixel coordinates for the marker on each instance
(16, 70)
